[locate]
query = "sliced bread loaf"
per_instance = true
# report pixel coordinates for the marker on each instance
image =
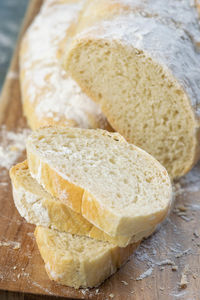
(40, 208)
(140, 62)
(116, 186)
(79, 261)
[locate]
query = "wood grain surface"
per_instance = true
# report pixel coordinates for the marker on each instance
(155, 271)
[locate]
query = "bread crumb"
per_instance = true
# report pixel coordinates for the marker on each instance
(97, 291)
(174, 268)
(124, 282)
(17, 246)
(84, 291)
(195, 233)
(185, 218)
(111, 295)
(181, 208)
(194, 276)
(15, 267)
(187, 251)
(166, 262)
(18, 276)
(184, 281)
(14, 245)
(145, 274)
(12, 146)
(162, 288)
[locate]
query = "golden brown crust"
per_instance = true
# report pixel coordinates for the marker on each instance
(67, 192)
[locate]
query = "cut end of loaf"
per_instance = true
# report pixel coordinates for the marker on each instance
(140, 98)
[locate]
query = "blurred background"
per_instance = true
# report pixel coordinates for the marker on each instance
(11, 16)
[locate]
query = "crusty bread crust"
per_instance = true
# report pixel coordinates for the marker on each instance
(49, 96)
(79, 271)
(40, 208)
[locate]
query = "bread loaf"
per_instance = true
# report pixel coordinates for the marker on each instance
(197, 3)
(79, 261)
(49, 95)
(140, 61)
(116, 186)
(39, 208)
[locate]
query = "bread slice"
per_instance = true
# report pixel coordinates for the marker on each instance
(140, 62)
(49, 95)
(116, 186)
(40, 208)
(79, 261)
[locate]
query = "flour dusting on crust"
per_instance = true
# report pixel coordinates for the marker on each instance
(45, 84)
(159, 29)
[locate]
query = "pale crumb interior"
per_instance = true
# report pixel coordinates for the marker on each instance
(122, 178)
(140, 100)
(80, 247)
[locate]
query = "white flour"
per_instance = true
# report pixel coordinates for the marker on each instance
(45, 81)
(12, 146)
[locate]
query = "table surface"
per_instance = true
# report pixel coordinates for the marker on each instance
(11, 16)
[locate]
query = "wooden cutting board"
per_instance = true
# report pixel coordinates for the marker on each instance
(155, 271)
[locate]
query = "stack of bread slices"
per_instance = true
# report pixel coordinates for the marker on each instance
(129, 66)
(93, 197)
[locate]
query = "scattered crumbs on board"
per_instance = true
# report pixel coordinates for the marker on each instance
(160, 254)
(184, 279)
(84, 291)
(124, 282)
(13, 245)
(145, 274)
(96, 291)
(156, 253)
(11, 147)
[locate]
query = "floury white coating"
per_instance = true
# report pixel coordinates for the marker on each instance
(179, 13)
(166, 31)
(53, 93)
(38, 214)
